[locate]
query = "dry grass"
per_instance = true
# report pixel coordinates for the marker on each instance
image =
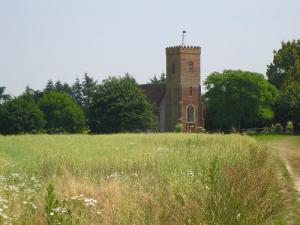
(142, 179)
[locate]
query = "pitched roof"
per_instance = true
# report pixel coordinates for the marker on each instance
(154, 92)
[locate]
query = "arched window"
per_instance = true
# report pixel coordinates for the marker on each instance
(191, 66)
(190, 114)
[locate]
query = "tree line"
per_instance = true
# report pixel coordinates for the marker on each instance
(115, 105)
(238, 100)
(233, 100)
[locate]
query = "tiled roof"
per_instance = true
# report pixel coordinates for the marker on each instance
(154, 92)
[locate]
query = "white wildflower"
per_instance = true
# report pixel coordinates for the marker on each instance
(190, 173)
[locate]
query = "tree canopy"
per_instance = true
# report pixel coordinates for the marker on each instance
(161, 79)
(3, 97)
(285, 68)
(238, 99)
(61, 113)
(21, 115)
(119, 105)
(288, 106)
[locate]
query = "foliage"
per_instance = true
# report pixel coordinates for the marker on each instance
(58, 87)
(3, 97)
(143, 179)
(238, 99)
(119, 105)
(288, 106)
(285, 68)
(89, 88)
(178, 128)
(161, 79)
(21, 115)
(61, 113)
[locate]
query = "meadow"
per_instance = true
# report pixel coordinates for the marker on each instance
(136, 179)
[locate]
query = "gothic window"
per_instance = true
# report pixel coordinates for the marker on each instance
(173, 68)
(190, 114)
(191, 91)
(191, 66)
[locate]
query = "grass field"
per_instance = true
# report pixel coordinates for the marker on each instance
(136, 179)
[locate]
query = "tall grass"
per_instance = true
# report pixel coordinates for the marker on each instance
(144, 178)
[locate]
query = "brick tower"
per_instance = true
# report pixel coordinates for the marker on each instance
(183, 91)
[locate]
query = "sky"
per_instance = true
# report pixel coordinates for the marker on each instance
(63, 39)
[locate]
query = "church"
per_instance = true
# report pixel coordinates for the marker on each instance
(178, 101)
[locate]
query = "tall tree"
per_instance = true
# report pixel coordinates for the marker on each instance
(50, 86)
(238, 99)
(119, 105)
(3, 97)
(288, 106)
(61, 113)
(89, 88)
(160, 80)
(77, 92)
(285, 68)
(21, 115)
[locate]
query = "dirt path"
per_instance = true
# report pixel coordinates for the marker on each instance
(288, 150)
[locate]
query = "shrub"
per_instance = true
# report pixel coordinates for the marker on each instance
(178, 128)
(61, 113)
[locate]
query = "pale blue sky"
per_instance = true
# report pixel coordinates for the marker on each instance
(62, 39)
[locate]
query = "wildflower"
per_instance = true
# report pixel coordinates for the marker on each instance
(15, 175)
(60, 210)
(135, 174)
(238, 216)
(190, 173)
(33, 205)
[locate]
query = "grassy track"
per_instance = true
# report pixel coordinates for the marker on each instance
(136, 179)
(285, 152)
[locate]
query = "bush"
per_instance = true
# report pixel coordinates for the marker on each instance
(21, 115)
(61, 113)
(119, 105)
(178, 128)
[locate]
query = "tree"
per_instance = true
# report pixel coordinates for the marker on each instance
(50, 86)
(119, 105)
(288, 106)
(285, 68)
(155, 80)
(238, 99)
(21, 115)
(89, 87)
(61, 113)
(77, 92)
(3, 97)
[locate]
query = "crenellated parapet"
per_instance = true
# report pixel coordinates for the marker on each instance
(183, 49)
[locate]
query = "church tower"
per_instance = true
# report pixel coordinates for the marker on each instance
(183, 91)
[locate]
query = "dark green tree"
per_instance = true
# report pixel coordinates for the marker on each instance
(89, 87)
(3, 97)
(288, 106)
(61, 113)
(238, 99)
(119, 105)
(21, 115)
(285, 68)
(77, 92)
(50, 86)
(160, 80)
(62, 87)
